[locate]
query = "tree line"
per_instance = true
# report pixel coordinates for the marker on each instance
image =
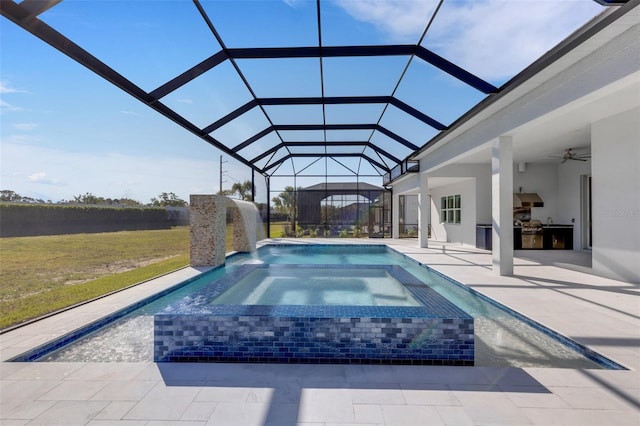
(164, 199)
(243, 191)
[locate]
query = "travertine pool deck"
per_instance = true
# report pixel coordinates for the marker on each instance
(554, 288)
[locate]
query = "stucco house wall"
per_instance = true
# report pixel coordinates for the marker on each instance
(464, 232)
(615, 145)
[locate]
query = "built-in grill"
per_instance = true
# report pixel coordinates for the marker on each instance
(532, 234)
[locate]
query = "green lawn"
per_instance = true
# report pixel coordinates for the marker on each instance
(43, 274)
(277, 228)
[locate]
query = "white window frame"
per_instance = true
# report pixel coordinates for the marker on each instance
(451, 209)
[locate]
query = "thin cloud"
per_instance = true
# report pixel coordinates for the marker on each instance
(185, 101)
(293, 3)
(126, 112)
(494, 39)
(401, 20)
(25, 126)
(43, 178)
(20, 139)
(5, 88)
(7, 107)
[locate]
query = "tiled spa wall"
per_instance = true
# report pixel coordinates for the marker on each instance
(262, 338)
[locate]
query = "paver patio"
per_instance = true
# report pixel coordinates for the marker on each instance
(559, 292)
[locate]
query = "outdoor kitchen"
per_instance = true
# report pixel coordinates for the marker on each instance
(530, 233)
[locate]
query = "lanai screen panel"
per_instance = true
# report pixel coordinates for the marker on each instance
(326, 88)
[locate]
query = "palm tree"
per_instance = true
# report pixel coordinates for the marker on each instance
(285, 203)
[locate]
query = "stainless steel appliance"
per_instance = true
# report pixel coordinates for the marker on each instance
(532, 234)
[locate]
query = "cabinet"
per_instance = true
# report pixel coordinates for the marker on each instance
(554, 237)
(483, 237)
(558, 237)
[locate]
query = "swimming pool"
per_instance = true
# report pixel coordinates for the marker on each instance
(502, 337)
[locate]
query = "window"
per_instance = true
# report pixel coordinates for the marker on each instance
(450, 209)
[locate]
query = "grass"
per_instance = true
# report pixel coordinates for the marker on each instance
(44, 274)
(277, 228)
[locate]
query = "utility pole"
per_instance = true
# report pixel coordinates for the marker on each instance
(221, 171)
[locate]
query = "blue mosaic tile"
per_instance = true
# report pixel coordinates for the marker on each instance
(317, 338)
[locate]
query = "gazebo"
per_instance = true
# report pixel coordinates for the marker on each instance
(344, 206)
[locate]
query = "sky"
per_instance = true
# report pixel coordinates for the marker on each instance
(64, 131)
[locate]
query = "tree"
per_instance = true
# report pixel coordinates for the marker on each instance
(122, 202)
(88, 198)
(9, 196)
(225, 192)
(168, 199)
(127, 202)
(285, 203)
(328, 213)
(244, 190)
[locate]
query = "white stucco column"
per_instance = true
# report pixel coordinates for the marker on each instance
(502, 204)
(424, 211)
(395, 215)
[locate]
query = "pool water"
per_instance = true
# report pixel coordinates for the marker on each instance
(502, 339)
(317, 286)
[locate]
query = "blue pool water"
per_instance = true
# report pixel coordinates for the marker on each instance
(502, 337)
(317, 286)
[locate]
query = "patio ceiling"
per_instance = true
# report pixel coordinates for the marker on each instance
(304, 91)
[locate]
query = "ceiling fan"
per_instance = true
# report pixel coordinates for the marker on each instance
(570, 154)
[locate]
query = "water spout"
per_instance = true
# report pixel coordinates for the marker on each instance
(208, 228)
(247, 226)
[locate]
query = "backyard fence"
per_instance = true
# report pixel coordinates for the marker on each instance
(17, 220)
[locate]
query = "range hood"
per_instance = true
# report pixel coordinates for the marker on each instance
(527, 199)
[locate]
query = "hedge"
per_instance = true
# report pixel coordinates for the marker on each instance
(17, 220)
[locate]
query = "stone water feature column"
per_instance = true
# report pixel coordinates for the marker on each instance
(207, 217)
